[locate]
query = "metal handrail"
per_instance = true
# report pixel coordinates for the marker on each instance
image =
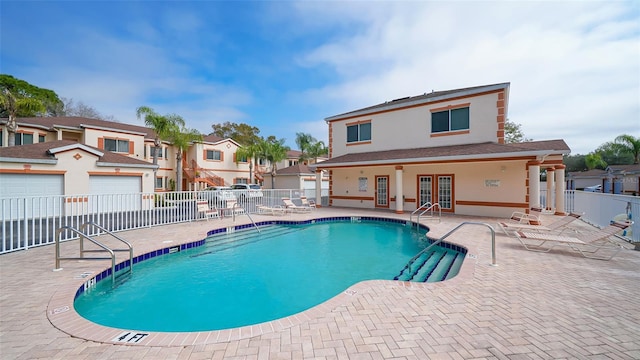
(83, 228)
(493, 243)
(233, 213)
(431, 208)
(427, 204)
(81, 234)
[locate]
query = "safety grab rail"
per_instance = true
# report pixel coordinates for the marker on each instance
(244, 212)
(129, 248)
(428, 206)
(493, 243)
(81, 234)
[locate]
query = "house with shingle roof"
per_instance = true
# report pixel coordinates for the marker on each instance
(444, 147)
(615, 179)
(210, 162)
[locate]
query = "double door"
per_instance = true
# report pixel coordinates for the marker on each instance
(436, 189)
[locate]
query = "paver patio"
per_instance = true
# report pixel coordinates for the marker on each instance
(531, 306)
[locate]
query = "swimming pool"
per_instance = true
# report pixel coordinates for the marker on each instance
(241, 278)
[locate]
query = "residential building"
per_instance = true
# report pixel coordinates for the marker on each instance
(444, 147)
(615, 179)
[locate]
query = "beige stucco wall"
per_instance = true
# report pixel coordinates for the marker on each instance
(283, 182)
(411, 128)
(506, 184)
(226, 168)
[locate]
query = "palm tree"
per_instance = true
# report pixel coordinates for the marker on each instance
(15, 104)
(182, 138)
(250, 152)
(304, 142)
(317, 149)
(160, 124)
(594, 160)
(631, 145)
(275, 151)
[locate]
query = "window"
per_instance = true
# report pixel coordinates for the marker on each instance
(41, 138)
(359, 132)
(450, 120)
(241, 181)
(24, 139)
(116, 145)
(1, 137)
(293, 162)
(262, 162)
(159, 183)
(241, 159)
(214, 155)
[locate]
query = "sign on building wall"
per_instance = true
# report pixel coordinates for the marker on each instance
(362, 184)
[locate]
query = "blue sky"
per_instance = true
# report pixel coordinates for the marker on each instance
(284, 66)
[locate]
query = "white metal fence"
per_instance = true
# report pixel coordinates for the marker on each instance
(33, 221)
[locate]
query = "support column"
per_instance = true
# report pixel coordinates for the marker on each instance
(534, 184)
(318, 188)
(399, 194)
(560, 184)
(550, 185)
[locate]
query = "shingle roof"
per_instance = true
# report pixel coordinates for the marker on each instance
(74, 121)
(40, 151)
(295, 170)
(469, 151)
(419, 99)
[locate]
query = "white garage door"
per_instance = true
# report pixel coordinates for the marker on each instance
(39, 194)
(115, 193)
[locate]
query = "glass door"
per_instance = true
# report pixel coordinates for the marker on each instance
(382, 191)
(445, 195)
(425, 189)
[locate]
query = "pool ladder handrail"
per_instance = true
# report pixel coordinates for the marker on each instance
(438, 241)
(429, 207)
(245, 212)
(103, 247)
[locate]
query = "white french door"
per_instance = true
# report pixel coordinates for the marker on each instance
(382, 191)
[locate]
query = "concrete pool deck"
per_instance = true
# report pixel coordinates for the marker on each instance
(531, 306)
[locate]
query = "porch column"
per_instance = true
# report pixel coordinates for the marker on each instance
(318, 188)
(534, 184)
(560, 189)
(399, 195)
(550, 183)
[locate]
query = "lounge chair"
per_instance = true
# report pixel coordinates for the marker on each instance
(588, 245)
(205, 212)
(510, 228)
(293, 207)
(271, 210)
(233, 208)
(307, 202)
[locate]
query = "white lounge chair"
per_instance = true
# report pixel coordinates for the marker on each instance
(233, 208)
(271, 210)
(293, 207)
(205, 212)
(588, 245)
(510, 227)
(307, 202)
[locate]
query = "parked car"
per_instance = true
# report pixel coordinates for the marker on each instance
(247, 191)
(594, 188)
(217, 196)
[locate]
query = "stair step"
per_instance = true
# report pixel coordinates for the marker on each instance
(439, 273)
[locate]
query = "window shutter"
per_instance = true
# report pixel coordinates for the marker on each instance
(130, 147)
(101, 143)
(204, 154)
(235, 158)
(221, 155)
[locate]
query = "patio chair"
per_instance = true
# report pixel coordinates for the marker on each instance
(307, 202)
(293, 207)
(510, 228)
(205, 212)
(587, 245)
(233, 208)
(271, 210)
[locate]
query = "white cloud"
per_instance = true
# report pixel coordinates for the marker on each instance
(571, 68)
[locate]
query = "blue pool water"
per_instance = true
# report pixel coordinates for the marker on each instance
(246, 278)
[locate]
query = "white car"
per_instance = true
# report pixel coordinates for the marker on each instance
(217, 196)
(249, 191)
(594, 188)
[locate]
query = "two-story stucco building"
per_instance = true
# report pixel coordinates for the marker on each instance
(444, 147)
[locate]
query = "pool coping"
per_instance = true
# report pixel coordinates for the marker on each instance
(62, 315)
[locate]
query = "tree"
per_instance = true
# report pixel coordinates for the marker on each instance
(23, 90)
(252, 153)
(513, 133)
(275, 151)
(318, 149)
(304, 142)
(72, 108)
(162, 125)
(614, 154)
(594, 160)
(14, 105)
(243, 134)
(575, 163)
(631, 145)
(182, 138)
